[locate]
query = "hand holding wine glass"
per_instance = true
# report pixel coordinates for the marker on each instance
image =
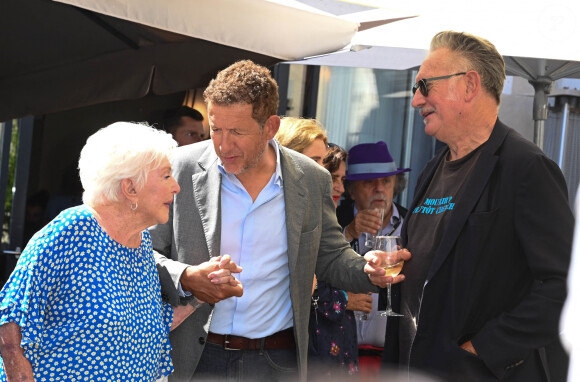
(389, 253)
(377, 274)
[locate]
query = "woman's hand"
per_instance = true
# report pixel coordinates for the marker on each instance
(224, 274)
(16, 366)
(180, 313)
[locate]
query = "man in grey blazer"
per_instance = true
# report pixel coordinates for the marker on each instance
(270, 209)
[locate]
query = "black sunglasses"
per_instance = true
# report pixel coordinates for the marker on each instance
(422, 84)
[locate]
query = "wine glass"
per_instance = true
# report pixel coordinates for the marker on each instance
(387, 249)
(370, 243)
(360, 315)
(369, 237)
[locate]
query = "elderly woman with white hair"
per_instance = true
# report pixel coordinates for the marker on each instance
(84, 301)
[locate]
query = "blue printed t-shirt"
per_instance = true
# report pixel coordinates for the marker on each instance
(89, 308)
(427, 223)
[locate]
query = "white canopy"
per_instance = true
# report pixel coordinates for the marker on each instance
(284, 29)
(59, 55)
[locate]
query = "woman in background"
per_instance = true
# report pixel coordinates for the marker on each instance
(84, 301)
(306, 136)
(335, 163)
(332, 322)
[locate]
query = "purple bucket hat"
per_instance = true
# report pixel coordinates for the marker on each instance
(371, 161)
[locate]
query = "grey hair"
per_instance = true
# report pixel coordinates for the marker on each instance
(400, 183)
(480, 54)
(119, 151)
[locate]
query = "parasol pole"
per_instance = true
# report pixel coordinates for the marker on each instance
(542, 87)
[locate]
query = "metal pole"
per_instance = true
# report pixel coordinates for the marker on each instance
(539, 133)
(563, 138)
(542, 87)
(408, 140)
(311, 93)
(282, 77)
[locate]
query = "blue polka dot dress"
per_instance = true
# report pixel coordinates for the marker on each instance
(89, 308)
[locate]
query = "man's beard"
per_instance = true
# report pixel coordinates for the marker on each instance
(379, 197)
(251, 163)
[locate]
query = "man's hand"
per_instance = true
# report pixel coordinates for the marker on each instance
(359, 301)
(377, 274)
(468, 346)
(365, 221)
(213, 281)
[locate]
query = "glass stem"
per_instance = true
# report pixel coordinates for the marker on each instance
(389, 308)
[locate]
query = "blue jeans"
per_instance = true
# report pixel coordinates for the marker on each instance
(219, 364)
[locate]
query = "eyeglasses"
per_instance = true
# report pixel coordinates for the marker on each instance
(422, 84)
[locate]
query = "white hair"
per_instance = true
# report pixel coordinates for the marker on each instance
(119, 151)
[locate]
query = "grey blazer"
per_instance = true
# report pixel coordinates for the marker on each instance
(192, 235)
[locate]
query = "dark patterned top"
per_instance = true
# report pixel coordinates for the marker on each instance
(333, 348)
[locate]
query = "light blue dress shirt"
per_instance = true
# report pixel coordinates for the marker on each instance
(254, 235)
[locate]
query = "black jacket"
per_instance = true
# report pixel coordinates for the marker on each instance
(498, 275)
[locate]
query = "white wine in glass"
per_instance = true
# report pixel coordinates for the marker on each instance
(394, 269)
(388, 251)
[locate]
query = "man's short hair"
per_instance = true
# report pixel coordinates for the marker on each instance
(247, 83)
(172, 117)
(480, 54)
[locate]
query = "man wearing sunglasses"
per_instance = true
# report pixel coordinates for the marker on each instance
(490, 230)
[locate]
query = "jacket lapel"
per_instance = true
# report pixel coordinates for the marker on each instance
(295, 195)
(473, 189)
(208, 177)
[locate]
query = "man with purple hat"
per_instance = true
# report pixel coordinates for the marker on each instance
(372, 181)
